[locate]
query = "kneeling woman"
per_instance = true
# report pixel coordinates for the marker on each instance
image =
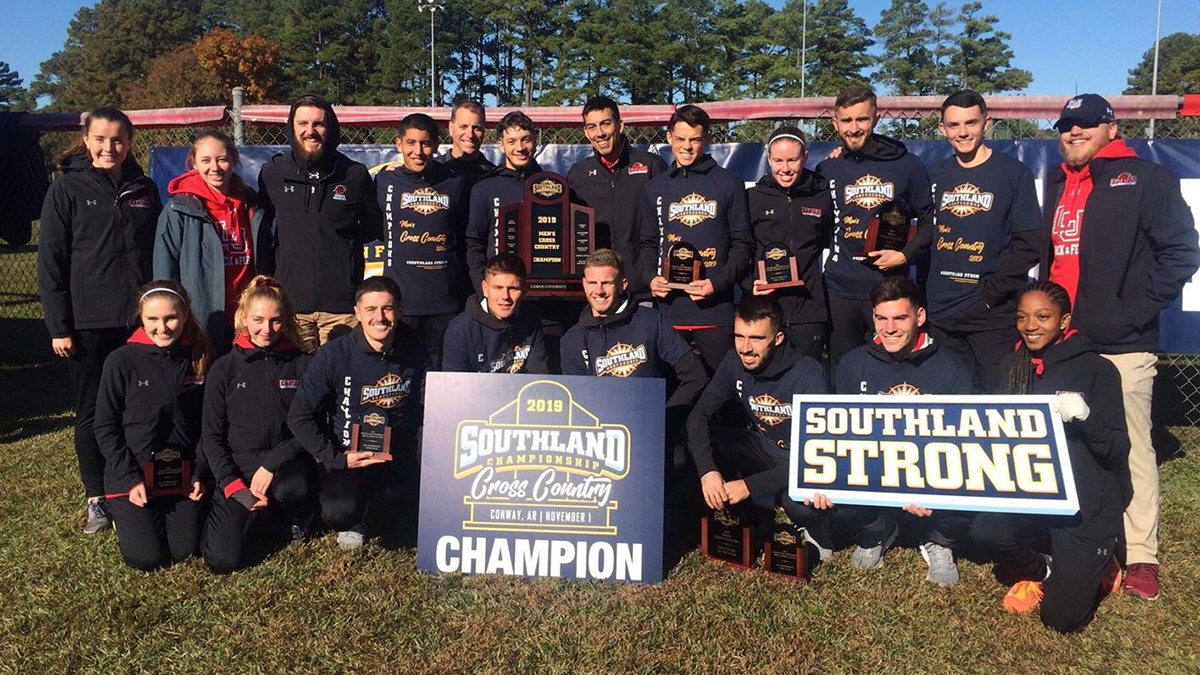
(148, 425)
(1052, 359)
(257, 464)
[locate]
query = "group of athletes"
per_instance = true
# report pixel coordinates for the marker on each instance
(256, 344)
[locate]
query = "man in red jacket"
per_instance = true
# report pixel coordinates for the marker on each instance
(1123, 244)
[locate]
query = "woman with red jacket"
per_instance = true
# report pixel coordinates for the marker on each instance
(1054, 360)
(259, 466)
(148, 426)
(211, 235)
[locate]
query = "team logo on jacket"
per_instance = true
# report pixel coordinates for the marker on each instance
(1123, 179)
(512, 361)
(387, 393)
(869, 192)
(425, 201)
(622, 360)
(770, 410)
(339, 193)
(903, 389)
(637, 168)
(811, 211)
(966, 200)
(145, 203)
(692, 210)
(289, 384)
(547, 188)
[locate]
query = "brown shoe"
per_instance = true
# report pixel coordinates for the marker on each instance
(1141, 580)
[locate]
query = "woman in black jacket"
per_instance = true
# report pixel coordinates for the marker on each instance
(257, 463)
(148, 426)
(1052, 359)
(94, 250)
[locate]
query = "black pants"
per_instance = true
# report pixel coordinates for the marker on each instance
(851, 324)
(293, 492)
(810, 338)
(980, 351)
(944, 528)
(346, 493)
(166, 530)
(1072, 592)
(431, 329)
(712, 344)
(85, 366)
(740, 453)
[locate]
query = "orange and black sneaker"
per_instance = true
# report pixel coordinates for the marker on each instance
(1111, 583)
(1141, 580)
(1023, 597)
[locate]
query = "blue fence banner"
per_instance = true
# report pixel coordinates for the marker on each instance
(543, 476)
(1180, 321)
(967, 453)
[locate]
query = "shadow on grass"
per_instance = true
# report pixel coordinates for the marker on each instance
(35, 388)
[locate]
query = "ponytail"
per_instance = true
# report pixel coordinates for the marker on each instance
(264, 287)
(106, 113)
(1020, 376)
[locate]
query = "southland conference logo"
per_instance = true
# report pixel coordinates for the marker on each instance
(541, 463)
(966, 200)
(547, 188)
(622, 360)
(776, 254)
(511, 361)
(374, 419)
(692, 210)
(425, 201)
(770, 410)
(869, 192)
(387, 393)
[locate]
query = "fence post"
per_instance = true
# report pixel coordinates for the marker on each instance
(239, 95)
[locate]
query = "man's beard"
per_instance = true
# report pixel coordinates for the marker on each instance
(313, 156)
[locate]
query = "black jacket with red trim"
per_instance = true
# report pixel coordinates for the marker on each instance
(149, 398)
(871, 369)
(616, 195)
(1137, 248)
(96, 245)
(1099, 445)
(324, 212)
(348, 374)
(246, 402)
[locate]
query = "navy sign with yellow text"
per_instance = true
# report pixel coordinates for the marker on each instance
(968, 453)
(542, 475)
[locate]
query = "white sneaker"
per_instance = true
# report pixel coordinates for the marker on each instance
(351, 539)
(942, 570)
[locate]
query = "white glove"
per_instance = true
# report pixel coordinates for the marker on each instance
(1071, 407)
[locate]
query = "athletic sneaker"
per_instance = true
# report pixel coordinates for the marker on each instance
(872, 558)
(823, 552)
(353, 538)
(1023, 597)
(98, 518)
(1141, 580)
(942, 570)
(300, 530)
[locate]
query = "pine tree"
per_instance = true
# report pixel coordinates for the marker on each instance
(12, 93)
(907, 64)
(1178, 66)
(942, 22)
(983, 57)
(838, 40)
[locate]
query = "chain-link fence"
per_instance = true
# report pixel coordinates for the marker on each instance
(1178, 402)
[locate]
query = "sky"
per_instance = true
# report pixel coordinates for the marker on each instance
(1068, 45)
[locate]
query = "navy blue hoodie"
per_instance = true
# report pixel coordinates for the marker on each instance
(424, 215)
(477, 342)
(149, 398)
(705, 206)
(634, 342)
(871, 369)
(502, 187)
(765, 396)
(862, 184)
(246, 402)
(348, 374)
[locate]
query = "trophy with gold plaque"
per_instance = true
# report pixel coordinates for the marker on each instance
(552, 236)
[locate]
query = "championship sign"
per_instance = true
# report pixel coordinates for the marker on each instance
(968, 453)
(543, 476)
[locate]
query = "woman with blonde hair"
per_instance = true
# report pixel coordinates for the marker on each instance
(258, 465)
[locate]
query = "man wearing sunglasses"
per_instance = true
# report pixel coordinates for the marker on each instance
(1123, 244)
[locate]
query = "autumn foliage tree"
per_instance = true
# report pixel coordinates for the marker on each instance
(246, 60)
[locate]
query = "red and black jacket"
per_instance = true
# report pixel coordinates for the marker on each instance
(149, 398)
(246, 402)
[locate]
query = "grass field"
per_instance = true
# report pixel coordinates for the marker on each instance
(67, 604)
